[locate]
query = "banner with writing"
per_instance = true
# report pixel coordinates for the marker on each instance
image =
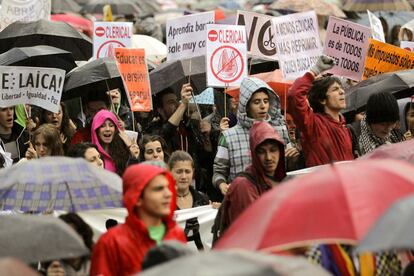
(407, 45)
(133, 68)
(186, 35)
(297, 42)
(23, 10)
(383, 57)
(31, 85)
(107, 36)
(347, 43)
(260, 34)
(376, 27)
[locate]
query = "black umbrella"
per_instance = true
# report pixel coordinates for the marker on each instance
(45, 32)
(62, 6)
(98, 76)
(118, 7)
(399, 83)
(394, 230)
(257, 65)
(39, 56)
(175, 73)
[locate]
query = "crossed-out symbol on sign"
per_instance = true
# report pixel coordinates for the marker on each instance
(227, 64)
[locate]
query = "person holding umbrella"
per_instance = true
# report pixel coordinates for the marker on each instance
(149, 197)
(315, 104)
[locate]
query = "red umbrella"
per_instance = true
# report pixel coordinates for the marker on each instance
(402, 151)
(78, 22)
(337, 203)
(274, 79)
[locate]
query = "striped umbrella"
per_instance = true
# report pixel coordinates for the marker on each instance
(377, 5)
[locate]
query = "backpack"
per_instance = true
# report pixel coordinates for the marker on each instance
(220, 224)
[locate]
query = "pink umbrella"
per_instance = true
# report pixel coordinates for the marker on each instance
(80, 23)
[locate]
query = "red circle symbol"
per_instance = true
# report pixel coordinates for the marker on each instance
(212, 35)
(107, 49)
(227, 64)
(100, 31)
(407, 48)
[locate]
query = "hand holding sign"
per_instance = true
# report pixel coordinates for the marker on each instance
(324, 63)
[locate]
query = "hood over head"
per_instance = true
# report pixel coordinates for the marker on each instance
(260, 132)
(97, 121)
(135, 179)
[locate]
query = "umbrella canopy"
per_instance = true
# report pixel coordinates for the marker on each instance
(401, 151)
(394, 230)
(45, 32)
(12, 266)
(39, 56)
(62, 6)
(241, 263)
(147, 7)
(175, 73)
(155, 50)
(98, 75)
(321, 7)
(76, 21)
(38, 238)
(58, 183)
(377, 5)
(275, 80)
(119, 7)
(335, 204)
(399, 83)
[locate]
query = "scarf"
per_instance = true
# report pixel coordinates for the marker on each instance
(368, 141)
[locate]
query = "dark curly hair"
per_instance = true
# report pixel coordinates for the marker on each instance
(65, 127)
(318, 91)
(81, 227)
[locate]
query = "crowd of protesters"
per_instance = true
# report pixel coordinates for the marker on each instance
(180, 159)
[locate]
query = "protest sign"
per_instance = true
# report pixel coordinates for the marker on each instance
(226, 55)
(347, 43)
(133, 68)
(297, 42)
(186, 35)
(383, 57)
(31, 85)
(376, 27)
(407, 45)
(23, 10)
(204, 214)
(110, 35)
(260, 34)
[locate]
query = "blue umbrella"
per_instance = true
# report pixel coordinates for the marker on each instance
(58, 183)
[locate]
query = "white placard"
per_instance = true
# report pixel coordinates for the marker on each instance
(376, 27)
(260, 34)
(23, 10)
(110, 35)
(186, 35)
(297, 42)
(31, 85)
(226, 59)
(347, 43)
(407, 45)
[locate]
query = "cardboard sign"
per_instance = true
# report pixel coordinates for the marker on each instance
(133, 68)
(23, 10)
(347, 43)
(407, 45)
(297, 42)
(260, 34)
(383, 57)
(376, 27)
(226, 55)
(107, 36)
(31, 85)
(186, 35)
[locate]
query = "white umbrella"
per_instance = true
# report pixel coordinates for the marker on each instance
(155, 50)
